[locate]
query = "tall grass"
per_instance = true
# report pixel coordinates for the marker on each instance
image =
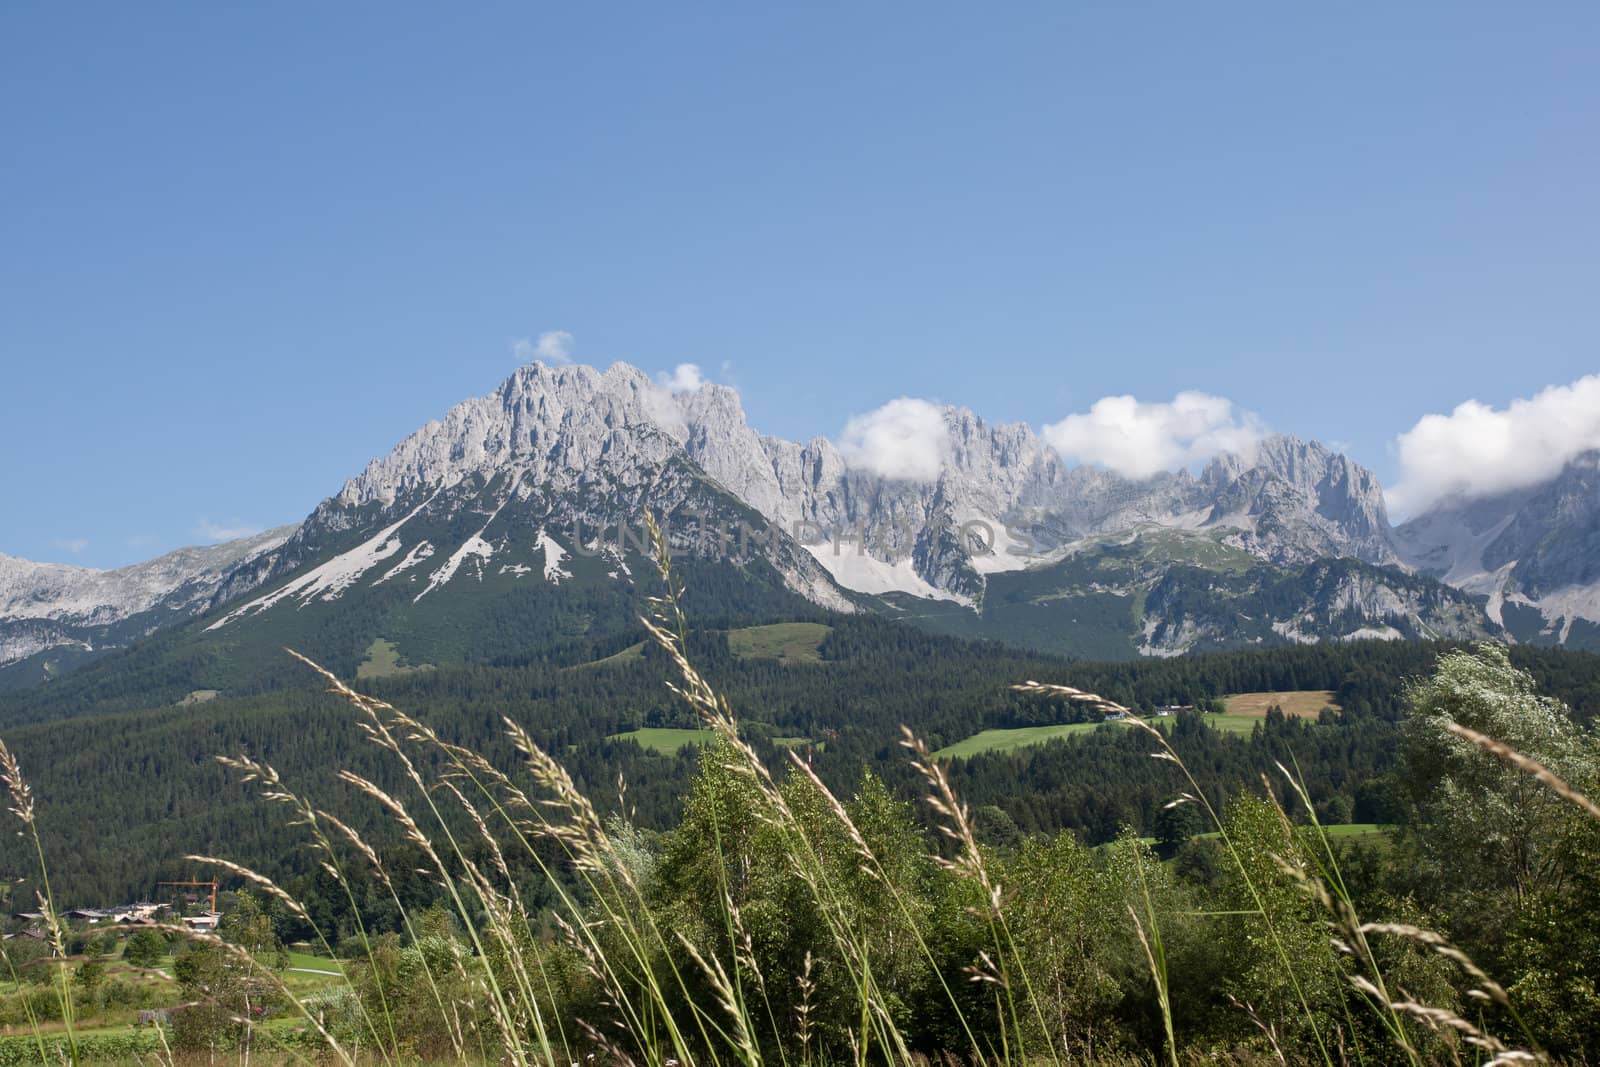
(657, 994)
(22, 806)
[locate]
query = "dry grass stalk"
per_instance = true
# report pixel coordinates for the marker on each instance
(17, 787)
(1268, 1031)
(22, 806)
(956, 824)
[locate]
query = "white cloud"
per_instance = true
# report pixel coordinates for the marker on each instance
(552, 346)
(1138, 439)
(685, 378)
(905, 438)
(1477, 450)
(74, 545)
(207, 530)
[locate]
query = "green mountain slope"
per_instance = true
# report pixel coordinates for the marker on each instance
(483, 573)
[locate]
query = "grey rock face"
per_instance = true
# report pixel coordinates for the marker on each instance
(577, 443)
(1292, 502)
(1302, 502)
(44, 605)
(1536, 548)
(556, 425)
(1553, 536)
(1002, 501)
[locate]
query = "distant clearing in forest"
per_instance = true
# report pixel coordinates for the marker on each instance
(1297, 703)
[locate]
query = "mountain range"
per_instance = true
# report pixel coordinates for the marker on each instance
(46, 606)
(511, 527)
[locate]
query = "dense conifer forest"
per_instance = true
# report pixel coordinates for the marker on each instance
(130, 792)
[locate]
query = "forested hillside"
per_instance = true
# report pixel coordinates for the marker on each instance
(128, 793)
(842, 893)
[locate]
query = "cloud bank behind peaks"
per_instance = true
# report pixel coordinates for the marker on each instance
(904, 439)
(1138, 439)
(1477, 450)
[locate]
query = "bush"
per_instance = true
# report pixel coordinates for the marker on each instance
(147, 948)
(104, 1048)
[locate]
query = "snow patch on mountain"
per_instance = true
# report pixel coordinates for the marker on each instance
(554, 572)
(474, 548)
(867, 574)
(994, 547)
(1164, 641)
(332, 578)
(421, 551)
(1377, 633)
(1289, 628)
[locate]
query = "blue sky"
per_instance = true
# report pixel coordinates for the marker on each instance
(245, 250)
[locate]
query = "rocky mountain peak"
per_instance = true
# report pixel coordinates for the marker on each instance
(542, 419)
(1292, 500)
(1299, 500)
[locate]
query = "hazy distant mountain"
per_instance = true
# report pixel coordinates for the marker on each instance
(46, 606)
(1534, 553)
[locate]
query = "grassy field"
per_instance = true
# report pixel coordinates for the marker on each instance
(627, 655)
(305, 961)
(1005, 740)
(786, 642)
(1023, 736)
(384, 661)
(1336, 831)
(1227, 724)
(1302, 703)
(663, 739)
(1357, 829)
(306, 972)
